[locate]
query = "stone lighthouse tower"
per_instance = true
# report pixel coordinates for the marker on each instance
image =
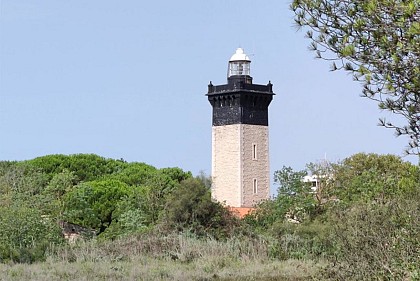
(240, 159)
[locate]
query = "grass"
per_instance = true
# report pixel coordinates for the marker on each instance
(154, 269)
(172, 257)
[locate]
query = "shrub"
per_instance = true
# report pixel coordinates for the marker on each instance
(376, 241)
(25, 235)
(190, 207)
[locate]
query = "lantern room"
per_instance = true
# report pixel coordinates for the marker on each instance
(239, 64)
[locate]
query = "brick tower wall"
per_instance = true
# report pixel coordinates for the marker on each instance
(255, 165)
(226, 164)
(240, 161)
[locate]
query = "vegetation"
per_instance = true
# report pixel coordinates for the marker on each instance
(361, 223)
(163, 257)
(363, 220)
(25, 235)
(378, 41)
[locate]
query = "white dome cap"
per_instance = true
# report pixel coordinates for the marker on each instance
(239, 55)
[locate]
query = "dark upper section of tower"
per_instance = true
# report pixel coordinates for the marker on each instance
(239, 101)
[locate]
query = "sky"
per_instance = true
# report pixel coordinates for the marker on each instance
(127, 79)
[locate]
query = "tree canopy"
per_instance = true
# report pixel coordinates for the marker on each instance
(367, 177)
(378, 41)
(112, 197)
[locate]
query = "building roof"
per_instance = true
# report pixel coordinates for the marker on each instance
(240, 212)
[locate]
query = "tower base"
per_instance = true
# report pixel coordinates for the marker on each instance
(240, 164)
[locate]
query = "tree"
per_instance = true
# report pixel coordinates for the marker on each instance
(95, 204)
(58, 186)
(190, 207)
(86, 167)
(295, 200)
(22, 184)
(323, 172)
(378, 41)
(135, 174)
(374, 222)
(373, 177)
(295, 197)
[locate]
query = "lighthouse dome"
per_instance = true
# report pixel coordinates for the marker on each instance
(239, 55)
(239, 64)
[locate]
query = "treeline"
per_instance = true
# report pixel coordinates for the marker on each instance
(361, 222)
(110, 198)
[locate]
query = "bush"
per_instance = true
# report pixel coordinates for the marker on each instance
(190, 207)
(376, 241)
(25, 235)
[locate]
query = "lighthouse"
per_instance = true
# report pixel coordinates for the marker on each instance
(240, 148)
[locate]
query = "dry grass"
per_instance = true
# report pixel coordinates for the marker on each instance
(155, 269)
(173, 257)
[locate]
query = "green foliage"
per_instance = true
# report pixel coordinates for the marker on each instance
(130, 222)
(190, 207)
(138, 174)
(52, 196)
(294, 195)
(22, 185)
(376, 241)
(112, 196)
(135, 174)
(5, 166)
(378, 41)
(265, 216)
(25, 235)
(149, 190)
(363, 219)
(24, 180)
(138, 212)
(176, 174)
(295, 201)
(294, 218)
(95, 204)
(374, 219)
(60, 184)
(86, 167)
(308, 240)
(365, 225)
(367, 177)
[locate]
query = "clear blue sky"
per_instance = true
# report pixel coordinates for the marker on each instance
(127, 79)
